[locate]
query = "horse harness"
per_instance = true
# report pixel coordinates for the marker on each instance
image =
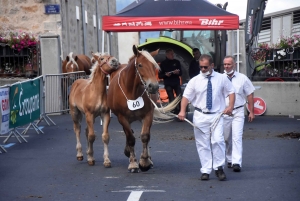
(105, 62)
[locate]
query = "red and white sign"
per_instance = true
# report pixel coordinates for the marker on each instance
(131, 24)
(5, 110)
(260, 106)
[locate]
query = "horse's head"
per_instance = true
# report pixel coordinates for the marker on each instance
(145, 67)
(71, 63)
(107, 62)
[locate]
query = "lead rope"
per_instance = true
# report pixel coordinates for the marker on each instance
(140, 79)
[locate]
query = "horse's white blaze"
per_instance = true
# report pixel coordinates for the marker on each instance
(150, 58)
(72, 60)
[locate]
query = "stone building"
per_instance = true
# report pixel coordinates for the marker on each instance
(76, 22)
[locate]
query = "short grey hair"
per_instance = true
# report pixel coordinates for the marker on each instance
(232, 57)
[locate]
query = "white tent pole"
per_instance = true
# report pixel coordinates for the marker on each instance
(108, 42)
(238, 49)
(103, 41)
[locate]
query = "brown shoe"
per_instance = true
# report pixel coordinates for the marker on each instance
(220, 173)
(205, 176)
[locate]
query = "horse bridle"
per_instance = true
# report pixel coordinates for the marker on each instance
(143, 82)
(137, 72)
(105, 62)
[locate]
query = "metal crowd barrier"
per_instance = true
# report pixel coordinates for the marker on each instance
(53, 93)
(56, 93)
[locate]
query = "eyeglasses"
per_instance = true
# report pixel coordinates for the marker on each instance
(205, 67)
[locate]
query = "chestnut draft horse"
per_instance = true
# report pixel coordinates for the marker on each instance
(88, 97)
(71, 64)
(129, 99)
(75, 63)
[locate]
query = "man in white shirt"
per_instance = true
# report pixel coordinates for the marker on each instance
(233, 125)
(206, 92)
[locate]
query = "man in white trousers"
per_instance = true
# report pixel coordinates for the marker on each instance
(233, 125)
(207, 92)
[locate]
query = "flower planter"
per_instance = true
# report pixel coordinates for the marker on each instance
(281, 54)
(296, 54)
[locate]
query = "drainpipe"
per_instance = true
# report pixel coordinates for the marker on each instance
(109, 35)
(223, 42)
(98, 23)
(83, 26)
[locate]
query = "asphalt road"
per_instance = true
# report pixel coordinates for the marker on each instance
(46, 168)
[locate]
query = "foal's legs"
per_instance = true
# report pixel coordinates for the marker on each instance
(145, 162)
(105, 138)
(77, 118)
(90, 136)
(130, 142)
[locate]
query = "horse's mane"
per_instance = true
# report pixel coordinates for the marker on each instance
(148, 56)
(71, 59)
(95, 65)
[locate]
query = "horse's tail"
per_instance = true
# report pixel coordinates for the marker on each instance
(163, 113)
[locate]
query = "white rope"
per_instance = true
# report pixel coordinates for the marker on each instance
(174, 115)
(140, 79)
(215, 122)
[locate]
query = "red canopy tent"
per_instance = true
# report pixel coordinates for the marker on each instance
(157, 15)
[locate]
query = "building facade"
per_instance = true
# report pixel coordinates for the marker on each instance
(77, 22)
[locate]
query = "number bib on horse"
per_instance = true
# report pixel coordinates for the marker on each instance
(135, 104)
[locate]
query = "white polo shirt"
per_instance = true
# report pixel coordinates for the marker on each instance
(196, 91)
(243, 88)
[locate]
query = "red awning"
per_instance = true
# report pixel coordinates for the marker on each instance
(127, 24)
(157, 15)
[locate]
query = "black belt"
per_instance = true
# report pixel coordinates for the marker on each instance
(199, 110)
(238, 107)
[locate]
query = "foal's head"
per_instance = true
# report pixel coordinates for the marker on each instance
(105, 58)
(145, 67)
(103, 61)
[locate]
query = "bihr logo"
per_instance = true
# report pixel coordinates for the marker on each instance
(213, 22)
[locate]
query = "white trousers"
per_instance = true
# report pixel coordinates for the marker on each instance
(233, 134)
(210, 147)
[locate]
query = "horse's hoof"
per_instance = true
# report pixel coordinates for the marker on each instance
(79, 158)
(134, 170)
(107, 165)
(91, 163)
(144, 169)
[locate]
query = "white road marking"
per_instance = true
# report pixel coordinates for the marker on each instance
(137, 191)
(22, 128)
(144, 190)
(8, 145)
(135, 196)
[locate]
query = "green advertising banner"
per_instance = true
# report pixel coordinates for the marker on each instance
(24, 102)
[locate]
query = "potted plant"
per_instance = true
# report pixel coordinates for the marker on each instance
(286, 46)
(18, 40)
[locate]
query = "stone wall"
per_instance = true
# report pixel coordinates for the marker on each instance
(76, 35)
(29, 16)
